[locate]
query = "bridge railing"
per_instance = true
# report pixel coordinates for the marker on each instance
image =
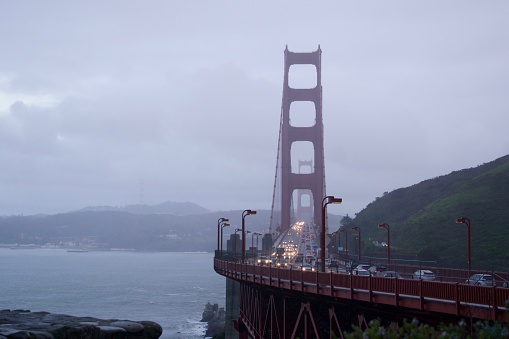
(447, 291)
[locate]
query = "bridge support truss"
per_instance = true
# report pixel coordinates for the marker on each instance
(271, 313)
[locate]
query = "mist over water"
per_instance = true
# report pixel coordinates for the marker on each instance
(166, 287)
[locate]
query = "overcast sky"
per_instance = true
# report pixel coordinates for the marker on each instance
(122, 102)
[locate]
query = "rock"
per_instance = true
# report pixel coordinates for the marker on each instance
(215, 317)
(23, 324)
(151, 329)
(111, 332)
(80, 331)
(130, 327)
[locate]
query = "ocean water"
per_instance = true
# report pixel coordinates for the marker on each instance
(166, 287)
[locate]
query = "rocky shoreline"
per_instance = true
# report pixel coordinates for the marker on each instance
(215, 317)
(24, 324)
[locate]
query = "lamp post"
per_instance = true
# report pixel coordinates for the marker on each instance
(466, 221)
(384, 225)
(244, 214)
(327, 200)
(359, 245)
(223, 225)
(219, 221)
(235, 241)
(346, 240)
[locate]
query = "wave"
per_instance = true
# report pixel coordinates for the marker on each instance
(191, 329)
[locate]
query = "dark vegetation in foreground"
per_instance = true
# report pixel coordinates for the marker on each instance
(414, 329)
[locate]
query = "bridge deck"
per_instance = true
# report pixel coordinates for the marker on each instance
(462, 300)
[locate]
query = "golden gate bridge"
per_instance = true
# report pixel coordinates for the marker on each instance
(266, 301)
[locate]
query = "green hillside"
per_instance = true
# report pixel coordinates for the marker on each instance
(422, 218)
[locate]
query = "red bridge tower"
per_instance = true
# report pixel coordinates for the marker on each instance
(290, 181)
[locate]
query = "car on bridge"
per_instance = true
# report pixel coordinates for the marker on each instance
(281, 262)
(481, 280)
(423, 275)
(333, 263)
(389, 274)
(306, 267)
(361, 271)
(263, 260)
(362, 267)
(376, 269)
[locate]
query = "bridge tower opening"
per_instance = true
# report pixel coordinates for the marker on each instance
(291, 134)
(304, 196)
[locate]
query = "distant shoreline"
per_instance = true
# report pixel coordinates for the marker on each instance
(85, 249)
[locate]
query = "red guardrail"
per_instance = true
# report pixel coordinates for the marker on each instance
(328, 282)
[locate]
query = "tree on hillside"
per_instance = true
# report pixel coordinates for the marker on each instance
(346, 220)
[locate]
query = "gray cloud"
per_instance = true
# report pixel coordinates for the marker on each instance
(185, 98)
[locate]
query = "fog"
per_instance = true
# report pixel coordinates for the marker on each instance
(122, 102)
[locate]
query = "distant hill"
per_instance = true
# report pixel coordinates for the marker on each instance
(169, 207)
(119, 229)
(422, 217)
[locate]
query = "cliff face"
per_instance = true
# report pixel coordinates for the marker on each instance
(21, 324)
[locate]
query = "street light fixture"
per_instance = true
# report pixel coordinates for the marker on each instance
(346, 240)
(384, 225)
(235, 241)
(466, 221)
(244, 214)
(359, 245)
(223, 225)
(327, 200)
(219, 221)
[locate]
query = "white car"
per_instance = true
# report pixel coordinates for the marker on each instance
(362, 267)
(482, 280)
(423, 275)
(361, 272)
